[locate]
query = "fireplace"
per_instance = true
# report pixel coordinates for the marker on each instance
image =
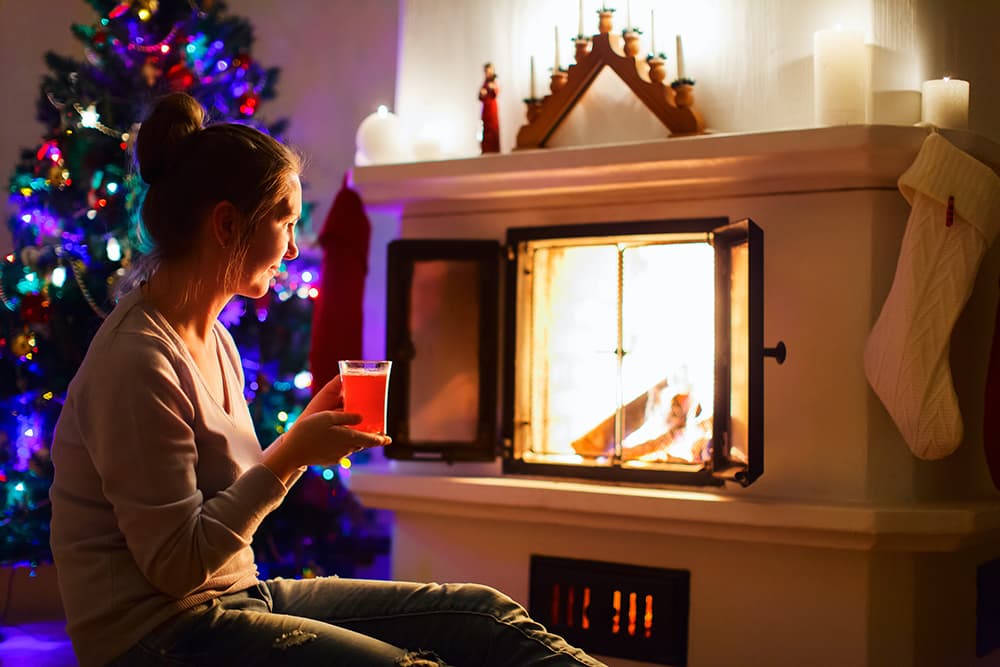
(847, 542)
(631, 351)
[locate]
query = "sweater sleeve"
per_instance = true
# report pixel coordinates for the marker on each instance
(136, 421)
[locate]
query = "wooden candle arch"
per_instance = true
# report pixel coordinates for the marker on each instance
(673, 107)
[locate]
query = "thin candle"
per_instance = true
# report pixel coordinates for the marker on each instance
(556, 68)
(579, 30)
(628, 14)
(532, 96)
(652, 33)
(680, 58)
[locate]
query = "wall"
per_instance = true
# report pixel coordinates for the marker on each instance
(332, 75)
(752, 59)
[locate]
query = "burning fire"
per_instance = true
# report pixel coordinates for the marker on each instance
(622, 352)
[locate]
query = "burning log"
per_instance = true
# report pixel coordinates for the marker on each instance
(658, 429)
(600, 440)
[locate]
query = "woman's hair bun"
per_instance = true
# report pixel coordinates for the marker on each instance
(173, 120)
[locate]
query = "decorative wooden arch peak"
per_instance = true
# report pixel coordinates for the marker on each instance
(673, 107)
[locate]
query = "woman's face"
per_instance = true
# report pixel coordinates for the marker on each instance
(273, 242)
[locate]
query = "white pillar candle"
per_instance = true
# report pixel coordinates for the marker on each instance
(839, 77)
(556, 67)
(532, 95)
(381, 139)
(680, 58)
(945, 103)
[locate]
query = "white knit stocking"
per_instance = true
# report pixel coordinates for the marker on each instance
(906, 355)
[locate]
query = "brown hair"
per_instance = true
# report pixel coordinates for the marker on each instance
(191, 167)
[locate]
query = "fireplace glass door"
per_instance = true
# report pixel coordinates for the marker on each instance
(633, 351)
(442, 337)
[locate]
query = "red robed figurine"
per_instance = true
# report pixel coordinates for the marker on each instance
(491, 121)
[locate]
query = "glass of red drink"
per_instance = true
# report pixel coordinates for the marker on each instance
(366, 388)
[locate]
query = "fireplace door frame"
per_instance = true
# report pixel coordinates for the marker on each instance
(725, 239)
(725, 236)
(403, 255)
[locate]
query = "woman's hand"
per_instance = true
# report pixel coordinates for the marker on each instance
(330, 397)
(321, 438)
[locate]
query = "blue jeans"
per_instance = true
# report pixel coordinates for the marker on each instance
(356, 623)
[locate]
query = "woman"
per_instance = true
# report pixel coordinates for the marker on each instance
(160, 482)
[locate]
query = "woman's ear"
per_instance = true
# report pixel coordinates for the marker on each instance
(224, 219)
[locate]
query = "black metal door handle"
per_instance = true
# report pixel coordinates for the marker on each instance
(779, 352)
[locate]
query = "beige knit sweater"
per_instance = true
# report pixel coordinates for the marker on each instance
(158, 489)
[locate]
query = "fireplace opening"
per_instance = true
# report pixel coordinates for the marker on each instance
(612, 609)
(635, 351)
(619, 358)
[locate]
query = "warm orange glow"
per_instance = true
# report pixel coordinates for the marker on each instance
(631, 613)
(569, 606)
(584, 617)
(647, 619)
(616, 620)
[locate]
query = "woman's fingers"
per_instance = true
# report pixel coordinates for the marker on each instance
(343, 418)
(357, 439)
(327, 436)
(361, 440)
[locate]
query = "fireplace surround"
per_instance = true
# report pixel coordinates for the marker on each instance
(846, 542)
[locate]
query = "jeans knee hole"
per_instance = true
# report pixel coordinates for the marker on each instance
(294, 638)
(419, 659)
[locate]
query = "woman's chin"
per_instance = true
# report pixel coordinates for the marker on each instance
(257, 289)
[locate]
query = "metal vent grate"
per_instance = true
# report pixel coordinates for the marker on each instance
(612, 609)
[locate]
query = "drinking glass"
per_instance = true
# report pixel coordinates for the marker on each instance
(366, 392)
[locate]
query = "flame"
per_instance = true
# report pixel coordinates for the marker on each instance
(619, 327)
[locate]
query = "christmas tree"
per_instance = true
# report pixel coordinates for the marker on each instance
(75, 198)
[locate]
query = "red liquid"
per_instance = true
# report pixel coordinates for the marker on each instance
(365, 395)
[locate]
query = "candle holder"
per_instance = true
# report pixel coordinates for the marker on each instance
(558, 80)
(582, 43)
(657, 69)
(534, 106)
(684, 92)
(604, 23)
(631, 36)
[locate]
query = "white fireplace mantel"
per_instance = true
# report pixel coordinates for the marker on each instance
(707, 166)
(694, 513)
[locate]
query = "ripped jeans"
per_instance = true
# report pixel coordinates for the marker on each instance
(360, 623)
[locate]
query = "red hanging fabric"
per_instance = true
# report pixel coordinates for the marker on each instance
(337, 312)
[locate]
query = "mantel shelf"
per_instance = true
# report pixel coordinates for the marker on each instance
(720, 165)
(918, 527)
